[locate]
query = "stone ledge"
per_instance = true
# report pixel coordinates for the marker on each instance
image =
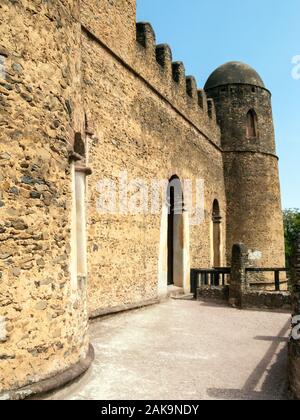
(278, 301)
(267, 300)
(213, 293)
(53, 383)
(122, 308)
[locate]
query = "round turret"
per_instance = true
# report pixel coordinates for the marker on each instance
(243, 107)
(234, 72)
(244, 113)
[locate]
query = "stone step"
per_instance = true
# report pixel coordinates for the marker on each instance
(175, 291)
(187, 296)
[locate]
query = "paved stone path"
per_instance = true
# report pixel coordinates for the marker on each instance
(186, 350)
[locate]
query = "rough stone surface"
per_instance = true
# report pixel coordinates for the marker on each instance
(42, 388)
(74, 70)
(210, 293)
(238, 283)
(42, 41)
(155, 353)
(150, 140)
(267, 300)
(254, 214)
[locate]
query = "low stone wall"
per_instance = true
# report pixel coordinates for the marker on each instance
(250, 299)
(209, 293)
(266, 300)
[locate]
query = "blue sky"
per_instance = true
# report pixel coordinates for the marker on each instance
(263, 33)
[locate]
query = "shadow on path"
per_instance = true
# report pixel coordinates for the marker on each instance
(273, 378)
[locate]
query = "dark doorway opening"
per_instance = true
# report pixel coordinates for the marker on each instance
(216, 218)
(171, 203)
(175, 232)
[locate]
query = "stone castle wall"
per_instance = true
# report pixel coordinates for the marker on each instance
(255, 207)
(114, 22)
(85, 69)
(138, 113)
(151, 126)
(43, 320)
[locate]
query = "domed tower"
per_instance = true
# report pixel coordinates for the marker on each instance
(244, 113)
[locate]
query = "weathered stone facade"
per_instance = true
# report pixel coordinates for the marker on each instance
(251, 175)
(43, 318)
(85, 70)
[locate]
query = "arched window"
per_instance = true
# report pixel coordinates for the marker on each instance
(251, 124)
(79, 146)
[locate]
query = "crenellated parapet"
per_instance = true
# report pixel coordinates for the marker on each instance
(191, 88)
(211, 110)
(145, 35)
(178, 73)
(202, 100)
(155, 63)
(135, 45)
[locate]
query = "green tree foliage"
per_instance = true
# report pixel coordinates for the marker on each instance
(291, 229)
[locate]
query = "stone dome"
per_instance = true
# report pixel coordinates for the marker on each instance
(234, 73)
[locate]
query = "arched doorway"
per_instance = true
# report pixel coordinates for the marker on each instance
(216, 220)
(175, 233)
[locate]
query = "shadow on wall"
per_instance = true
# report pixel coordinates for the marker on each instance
(272, 377)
